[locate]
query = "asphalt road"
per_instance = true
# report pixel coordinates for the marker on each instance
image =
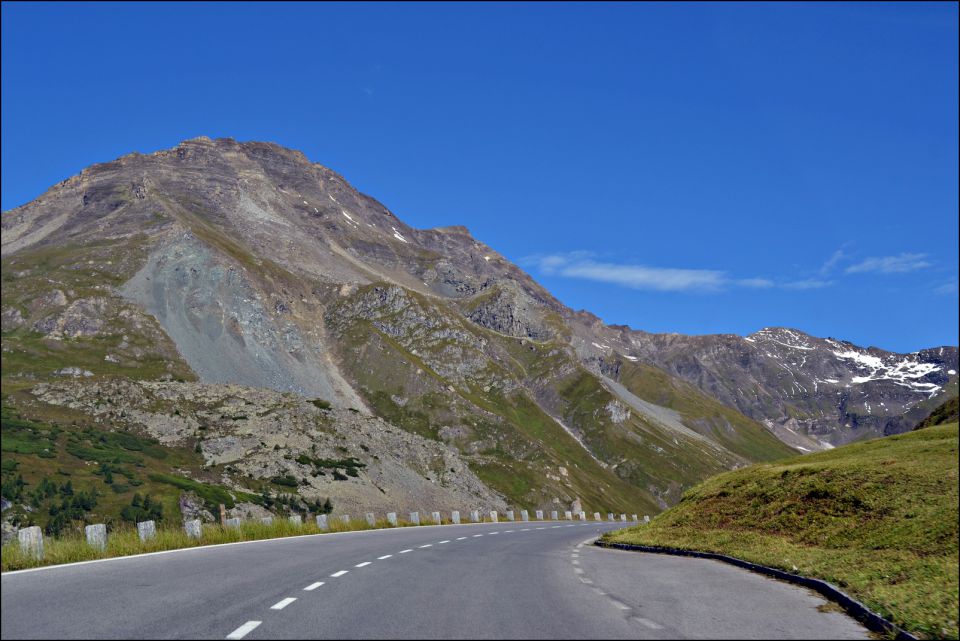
(506, 580)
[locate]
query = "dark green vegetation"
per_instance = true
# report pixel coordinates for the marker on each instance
(71, 474)
(949, 412)
(879, 519)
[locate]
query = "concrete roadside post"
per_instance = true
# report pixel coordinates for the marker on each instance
(31, 541)
(583, 516)
(554, 516)
(415, 518)
(295, 519)
(524, 515)
(474, 516)
(634, 518)
(232, 523)
(568, 515)
(623, 518)
(455, 517)
(371, 519)
(539, 515)
(322, 522)
(392, 518)
(146, 530)
(493, 516)
(509, 515)
(610, 516)
(437, 518)
(646, 519)
(267, 520)
(194, 528)
(345, 519)
(96, 536)
(596, 516)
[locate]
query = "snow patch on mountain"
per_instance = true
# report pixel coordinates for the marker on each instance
(905, 372)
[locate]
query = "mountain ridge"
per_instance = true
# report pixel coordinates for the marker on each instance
(245, 263)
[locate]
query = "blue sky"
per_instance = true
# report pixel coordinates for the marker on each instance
(692, 168)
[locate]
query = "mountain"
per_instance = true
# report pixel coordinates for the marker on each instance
(811, 392)
(166, 294)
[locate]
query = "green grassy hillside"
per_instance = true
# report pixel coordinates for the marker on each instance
(948, 412)
(879, 519)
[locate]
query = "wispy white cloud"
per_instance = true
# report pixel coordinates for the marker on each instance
(582, 265)
(832, 262)
(949, 287)
(809, 283)
(900, 264)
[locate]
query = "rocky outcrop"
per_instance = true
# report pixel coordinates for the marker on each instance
(261, 434)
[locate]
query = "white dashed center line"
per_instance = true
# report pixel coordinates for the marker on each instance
(526, 529)
(460, 538)
(313, 586)
(244, 630)
(362, 565)
(507, 531)
(428, 545)
(405, 551)
(476, 535)
(442, 542)
(279, 605)
(650, 624)
(385, 556)
(340, 573)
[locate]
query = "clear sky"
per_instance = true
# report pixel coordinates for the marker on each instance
(693, 168)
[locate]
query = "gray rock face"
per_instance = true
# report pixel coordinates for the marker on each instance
(225, 329)
(832, 391)
(260, 434)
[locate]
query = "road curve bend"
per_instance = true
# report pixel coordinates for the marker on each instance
(538, 580)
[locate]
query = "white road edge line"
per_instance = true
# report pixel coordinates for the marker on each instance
(244, 630)
(340, 573)
(279, 605)
(653, 625)
(363, 565)
(313, 586)
(201, 548)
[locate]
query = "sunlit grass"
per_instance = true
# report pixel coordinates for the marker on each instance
(878, 519)
(124, 540)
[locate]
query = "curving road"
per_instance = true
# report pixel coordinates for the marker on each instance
(506, 580)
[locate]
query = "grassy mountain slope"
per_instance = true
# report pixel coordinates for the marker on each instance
(948, 412)
(879, 519)
(244, 263)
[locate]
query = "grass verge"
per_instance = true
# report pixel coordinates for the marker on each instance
(124, 540)
(878, 519)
